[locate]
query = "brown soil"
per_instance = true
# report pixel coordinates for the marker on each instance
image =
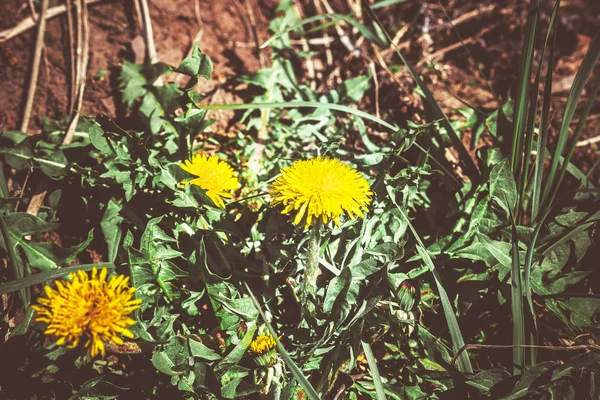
(224, 28)
(229, 31)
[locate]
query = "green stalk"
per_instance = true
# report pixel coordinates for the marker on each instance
(517, 308)
(309, 283)
(15, 261)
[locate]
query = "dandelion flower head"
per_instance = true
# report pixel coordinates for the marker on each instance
(213, 175)
(262, 344)
(322, 188)
(88, 308)
(264, 349)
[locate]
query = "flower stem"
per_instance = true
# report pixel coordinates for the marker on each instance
(309, 284)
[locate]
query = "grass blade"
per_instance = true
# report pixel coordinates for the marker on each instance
(374, 370)
(296, 372)
(523, 93)
(518, 312)
(335, 17)
(436, 110)
(16, 263)
(386, 3)
(583, 73)
(458, 342)
(542, 141)
(300, 104)
(527, 284)
(42, 277)
(576, 136)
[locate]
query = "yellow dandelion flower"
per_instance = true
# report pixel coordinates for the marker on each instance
(88, 307)
(213, 175)
(263, 344)
(264, 349)
(322, 188)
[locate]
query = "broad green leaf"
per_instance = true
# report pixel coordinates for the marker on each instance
(197, 349)
(197, 64)
(111, 228)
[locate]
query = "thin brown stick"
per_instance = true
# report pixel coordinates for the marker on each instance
(374, 72)
(28, 23)
(198, 14)
(472, 14)
(34, 14)
(72, 45)
(148, 32)
(83, 52)
(251, 16)
(344, 38)
(528, 346)
(37, 56)
(138, 14)
(328, 53)
(589, 141)
(440, 53)
(79, 41)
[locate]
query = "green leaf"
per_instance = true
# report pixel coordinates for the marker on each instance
(132, 83)
(485, 380)
(365, 268)
(111, 228)
(337, 290)
(503, 187)
(99, 140)
(46, 276)
(355, 88)
(238, 351)
(197, 64)
(197, 349)
(380, 391)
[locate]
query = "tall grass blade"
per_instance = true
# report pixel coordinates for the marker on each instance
(458, 342)
(311, 393)
(593, 94)
(4, 192)
(542, 140)
(533, 334)
(379, 390)
(516, 294)
(583, 73)
(532, 114)
(523, 92)
(300, 104)
(16, 262)
(46, 276)
(436, 110)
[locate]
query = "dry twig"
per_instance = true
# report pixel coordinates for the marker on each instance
(28, 23)
(148, 32)
(73, 72)
(39, 47)
(592, 346)
(83, 52)
(34, 14)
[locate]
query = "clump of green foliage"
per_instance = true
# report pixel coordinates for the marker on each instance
(407, 298)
